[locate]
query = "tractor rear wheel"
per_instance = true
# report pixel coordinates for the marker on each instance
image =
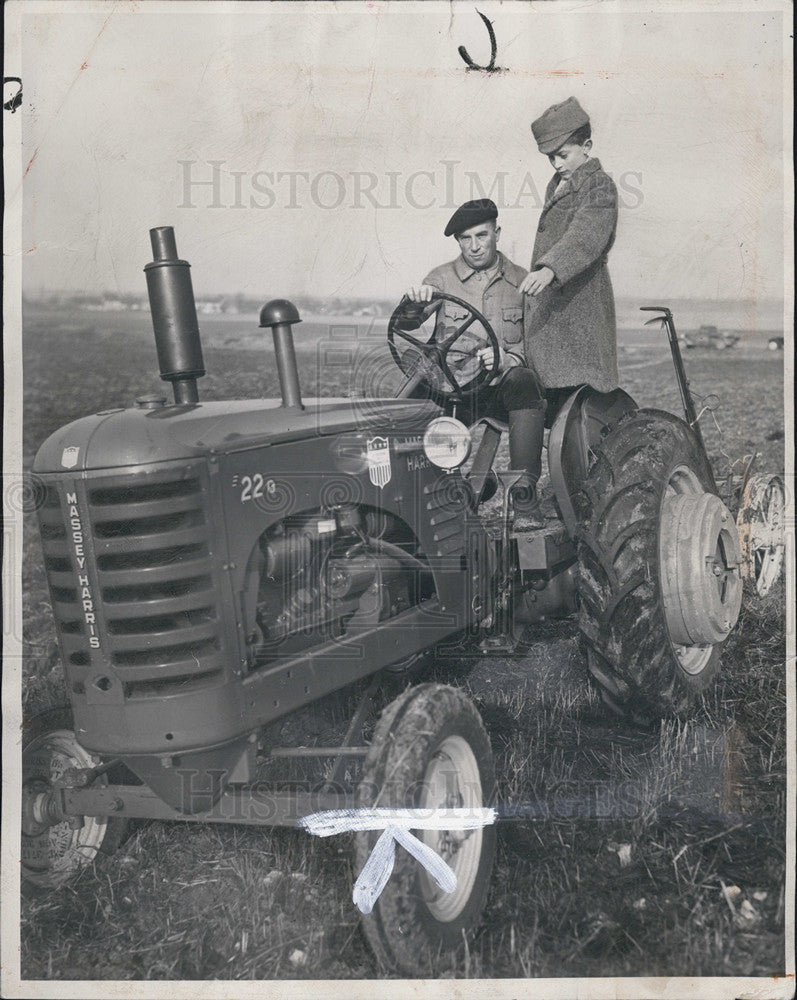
(429, 751)
(51, 854)
(660, 576)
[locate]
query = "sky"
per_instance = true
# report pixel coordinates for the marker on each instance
(320, 148)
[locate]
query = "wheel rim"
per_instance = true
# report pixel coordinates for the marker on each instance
(50, 854)
(452, 781)
(760, 524)
(700, 561)
(692, 659)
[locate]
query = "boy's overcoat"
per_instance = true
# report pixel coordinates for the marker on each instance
(570, 327)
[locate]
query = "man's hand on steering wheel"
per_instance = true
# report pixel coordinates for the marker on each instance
(423, 293)
(505, 358)
(410, 315)
(485, 356)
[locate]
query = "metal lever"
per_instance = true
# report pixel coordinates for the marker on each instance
(680, 372)
(501, 639)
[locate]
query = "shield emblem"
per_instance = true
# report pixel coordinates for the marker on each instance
(69, 457)
(378, 454)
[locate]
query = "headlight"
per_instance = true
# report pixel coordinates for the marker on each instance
(446, 443)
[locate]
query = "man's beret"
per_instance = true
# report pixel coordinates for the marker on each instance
(471, 214)
(554, 126)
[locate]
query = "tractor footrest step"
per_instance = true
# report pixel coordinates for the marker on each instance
(540, 550)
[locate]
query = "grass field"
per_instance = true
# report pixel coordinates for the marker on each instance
(659, 852)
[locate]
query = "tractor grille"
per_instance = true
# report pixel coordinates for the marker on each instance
(153, 583)
(64, 589)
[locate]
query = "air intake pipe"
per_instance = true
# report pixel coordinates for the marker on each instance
(280, 315)
(171, 302)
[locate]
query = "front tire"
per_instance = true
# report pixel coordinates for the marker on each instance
(429, 750)
(52, 854)
(660, 581)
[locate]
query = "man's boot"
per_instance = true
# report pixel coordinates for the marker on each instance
(526, 430)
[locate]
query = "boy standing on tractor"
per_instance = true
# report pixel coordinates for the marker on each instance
(569, 322)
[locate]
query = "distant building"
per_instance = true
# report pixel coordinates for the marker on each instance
(209, 308)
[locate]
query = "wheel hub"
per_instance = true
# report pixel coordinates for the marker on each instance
(35, 812)
(701, 568)
(53, 846)
(452, 782)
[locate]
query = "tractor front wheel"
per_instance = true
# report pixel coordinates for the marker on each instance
(53, 852)
(660, 574)
(429, 751)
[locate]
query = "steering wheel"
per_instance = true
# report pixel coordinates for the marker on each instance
(433, 361)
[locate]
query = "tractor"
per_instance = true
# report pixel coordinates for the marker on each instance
(216, 567)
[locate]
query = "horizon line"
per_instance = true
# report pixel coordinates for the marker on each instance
(142, 296)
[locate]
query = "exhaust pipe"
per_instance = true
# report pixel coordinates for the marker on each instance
(280, 315)
(171, 302)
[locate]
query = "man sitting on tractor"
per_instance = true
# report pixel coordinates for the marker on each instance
(485, 278)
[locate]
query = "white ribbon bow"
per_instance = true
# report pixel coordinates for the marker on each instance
(396, 825)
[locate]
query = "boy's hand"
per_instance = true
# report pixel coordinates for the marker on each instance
(423, 293)
(534, 283)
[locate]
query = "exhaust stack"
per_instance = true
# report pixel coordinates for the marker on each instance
(171, 302)
(280, 315)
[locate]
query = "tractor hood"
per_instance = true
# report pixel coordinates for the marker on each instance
(143, 435)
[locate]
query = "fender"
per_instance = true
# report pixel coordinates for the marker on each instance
(576, 432)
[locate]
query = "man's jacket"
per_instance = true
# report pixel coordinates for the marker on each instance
(498, 299)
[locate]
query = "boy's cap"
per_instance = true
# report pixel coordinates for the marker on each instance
(553, 127)
(471, 214)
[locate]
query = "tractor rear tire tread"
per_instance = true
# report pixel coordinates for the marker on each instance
(622, 619)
